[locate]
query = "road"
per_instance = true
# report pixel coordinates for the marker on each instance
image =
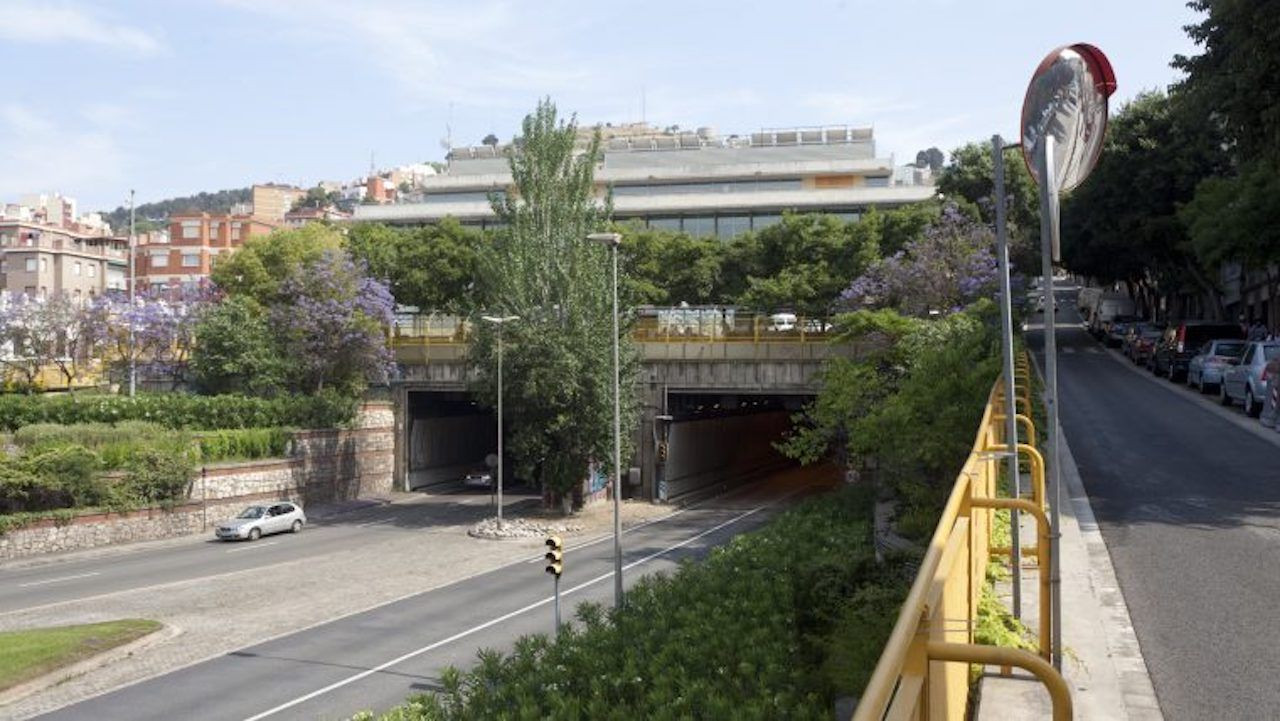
(24, 586)
(374, 659)
(1187, 499)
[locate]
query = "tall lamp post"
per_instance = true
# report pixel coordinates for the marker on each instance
(499, 321)
(133, 281)
(611, 241)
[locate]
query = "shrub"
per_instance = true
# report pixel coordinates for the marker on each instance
(73, 470)
(326, 409)
(157, 475)
(749, 633)
(244, 444)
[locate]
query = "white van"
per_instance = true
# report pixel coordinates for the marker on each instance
(1086, 300)
(1107, 308)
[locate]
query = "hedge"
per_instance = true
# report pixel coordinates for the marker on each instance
(177, 410)
(775, 625)
(244, 444)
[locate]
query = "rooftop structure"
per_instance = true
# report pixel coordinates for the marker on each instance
(696, 181)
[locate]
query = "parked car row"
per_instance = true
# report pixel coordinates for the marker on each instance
(1213, 358)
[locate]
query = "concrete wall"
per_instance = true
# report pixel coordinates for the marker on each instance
(710, 452)
(327, 466)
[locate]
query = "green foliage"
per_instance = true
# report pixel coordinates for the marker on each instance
(172, 410)
(668, 268)
(216, 202)
(557, 358)
(771, 626)
(259, 268)
(236, 351)
(158, 475)
(244, 444)
(433, 267)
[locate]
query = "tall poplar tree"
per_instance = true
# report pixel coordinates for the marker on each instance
(558, 358)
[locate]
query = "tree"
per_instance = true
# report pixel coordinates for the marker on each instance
(932, 159)
(318, 198)
(262, 265)
(968, 181)
(237, 350)
(20, 339)
(952, 265)
(434, 267)
(664, 267)
(330, 319)
(558, 365)
(491, 140)
(1123, 223)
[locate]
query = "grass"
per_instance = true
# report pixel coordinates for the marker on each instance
(25, 655)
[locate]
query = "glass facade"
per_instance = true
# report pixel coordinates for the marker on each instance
(727, 227)
(733, 186)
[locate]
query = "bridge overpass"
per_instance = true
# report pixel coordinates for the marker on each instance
(717, 389)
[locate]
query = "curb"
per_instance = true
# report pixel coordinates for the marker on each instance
(66, 673)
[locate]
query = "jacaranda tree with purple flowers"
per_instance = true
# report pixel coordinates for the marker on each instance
(949, 266)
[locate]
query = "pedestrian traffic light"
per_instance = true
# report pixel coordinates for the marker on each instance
(555, 556)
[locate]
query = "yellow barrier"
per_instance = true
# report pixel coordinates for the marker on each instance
(936, 622)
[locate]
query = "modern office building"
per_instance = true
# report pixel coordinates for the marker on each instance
(700, 182)
(186, 255)
(43, 260)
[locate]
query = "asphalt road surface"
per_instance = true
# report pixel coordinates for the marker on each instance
(374, 659)
(1189, 505)
(24, 586)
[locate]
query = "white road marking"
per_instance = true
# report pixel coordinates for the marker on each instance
(492, 622)
(251, 547)
(606, 536)
(57, 580)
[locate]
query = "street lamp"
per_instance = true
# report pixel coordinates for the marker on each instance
(499, 321)
(611, 240)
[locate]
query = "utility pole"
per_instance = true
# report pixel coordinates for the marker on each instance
(133, 282)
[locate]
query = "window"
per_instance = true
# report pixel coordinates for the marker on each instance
(160, 260)
(4, 238)
(190, 260)
(665, 223)
(190, 229)
(30, 291)
(881, 181)
(700, 226)
(77, 269)
(31, 265)
(93, 270)
(44, 265)
(213, 229)
(760, 222)
(728, 226)
(3, 265)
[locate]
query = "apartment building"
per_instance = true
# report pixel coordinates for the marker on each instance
(272, 201)
(698, 181)
(43, 260)
(187, 254)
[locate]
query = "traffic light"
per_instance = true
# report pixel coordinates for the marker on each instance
(555, 556)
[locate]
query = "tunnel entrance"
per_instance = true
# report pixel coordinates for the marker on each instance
(718, 441)
(448, 435)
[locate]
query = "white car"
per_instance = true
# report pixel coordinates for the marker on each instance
(480, 478)
(779, 322)
(255, 522)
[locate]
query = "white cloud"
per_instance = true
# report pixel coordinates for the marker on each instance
(478, 53)
(40, 155)
(57, 22)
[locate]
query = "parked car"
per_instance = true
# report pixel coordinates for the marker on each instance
(1116, 330)
(1181, 343)
(1244, 381)
(479, 478)
(1271, 399)
(1204, 371)
(1140, 340)
(780, 322)
(255, 522)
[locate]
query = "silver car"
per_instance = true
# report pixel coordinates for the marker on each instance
(1205, 370)
(1244, 383)
(255, 522)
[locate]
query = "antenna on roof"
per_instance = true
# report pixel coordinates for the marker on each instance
(447, 141)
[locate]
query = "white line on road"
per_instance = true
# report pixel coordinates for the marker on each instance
(492, 622)
(606, 536)
(250, 548)
(57, 580)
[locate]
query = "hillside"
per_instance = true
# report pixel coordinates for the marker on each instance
(154, 215)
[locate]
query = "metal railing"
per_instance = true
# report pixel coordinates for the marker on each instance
(923, 670)
(675, 325)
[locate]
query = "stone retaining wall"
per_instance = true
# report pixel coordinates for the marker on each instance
(326, 466)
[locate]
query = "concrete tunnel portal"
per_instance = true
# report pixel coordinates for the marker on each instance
(711, 442)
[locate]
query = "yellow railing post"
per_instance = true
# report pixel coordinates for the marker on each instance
(1059, 692)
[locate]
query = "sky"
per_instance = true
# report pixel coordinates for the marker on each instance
(172, 97)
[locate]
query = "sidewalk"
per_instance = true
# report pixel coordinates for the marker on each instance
(1102, 662)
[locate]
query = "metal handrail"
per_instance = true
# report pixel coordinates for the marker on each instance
(937, 619)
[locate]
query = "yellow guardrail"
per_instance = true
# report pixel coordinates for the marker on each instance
(923, 671)
(673, 326)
